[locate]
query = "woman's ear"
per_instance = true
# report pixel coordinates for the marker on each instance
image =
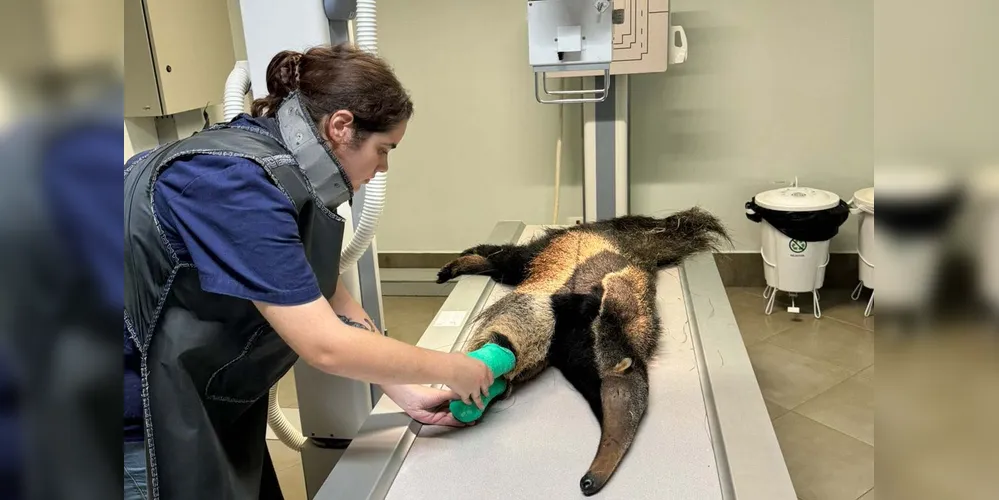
(339, 127)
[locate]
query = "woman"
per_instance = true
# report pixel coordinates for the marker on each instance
(232, 251)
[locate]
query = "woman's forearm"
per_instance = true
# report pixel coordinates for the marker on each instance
(314, 332)
(352, 313)
(378, 359)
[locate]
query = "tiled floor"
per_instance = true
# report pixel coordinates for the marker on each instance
(816, 375)
(817, 378)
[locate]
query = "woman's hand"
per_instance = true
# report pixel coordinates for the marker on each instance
(426, 405)
(470, 378)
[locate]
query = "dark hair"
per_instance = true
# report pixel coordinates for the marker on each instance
(333, 78)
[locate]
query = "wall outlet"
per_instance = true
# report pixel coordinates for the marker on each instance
(574, 220)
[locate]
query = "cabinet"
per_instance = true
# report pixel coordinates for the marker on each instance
(178, 54)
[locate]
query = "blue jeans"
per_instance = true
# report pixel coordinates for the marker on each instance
(135, 470)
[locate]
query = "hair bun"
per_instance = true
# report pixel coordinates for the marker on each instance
(334, 78)
(283, 73)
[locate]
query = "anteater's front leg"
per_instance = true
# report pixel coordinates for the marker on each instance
(505, 264)
(522, 323)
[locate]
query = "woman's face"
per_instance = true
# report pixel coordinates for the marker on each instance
(361, 160)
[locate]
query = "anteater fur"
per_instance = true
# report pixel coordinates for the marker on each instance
(584, 302)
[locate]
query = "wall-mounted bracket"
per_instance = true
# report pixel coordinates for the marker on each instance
(599, 94)
(570, 35)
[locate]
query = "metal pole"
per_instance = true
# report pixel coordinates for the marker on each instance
(604, 139)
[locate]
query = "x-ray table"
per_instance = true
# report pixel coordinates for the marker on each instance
(706, 435)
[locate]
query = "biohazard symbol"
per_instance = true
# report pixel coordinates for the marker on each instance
(797, 246)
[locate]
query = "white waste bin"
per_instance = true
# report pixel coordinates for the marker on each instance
(797, 224)
(986, 189)
(917, 207)
(862, 205)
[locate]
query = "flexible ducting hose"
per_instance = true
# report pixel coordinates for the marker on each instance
(366, 38)
(366, 29)
(282, 427)
(236, 87)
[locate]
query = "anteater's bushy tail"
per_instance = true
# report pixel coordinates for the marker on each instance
(667, 241)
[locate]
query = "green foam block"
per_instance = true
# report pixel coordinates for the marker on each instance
(500, 360)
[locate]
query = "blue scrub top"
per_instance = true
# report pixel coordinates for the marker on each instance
(226, 217)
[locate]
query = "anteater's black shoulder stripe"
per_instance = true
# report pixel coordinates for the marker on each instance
(572, 349)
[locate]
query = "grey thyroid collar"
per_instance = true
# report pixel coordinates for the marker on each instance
(320, 166)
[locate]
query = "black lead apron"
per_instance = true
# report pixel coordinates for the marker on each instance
(208, 360)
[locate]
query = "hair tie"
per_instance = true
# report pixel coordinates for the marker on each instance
(296, 68)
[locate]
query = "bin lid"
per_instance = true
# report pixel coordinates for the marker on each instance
(985, 183)
(797, 199)
(864, 199)
(914, 184)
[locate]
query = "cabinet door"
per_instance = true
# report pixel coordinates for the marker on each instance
(192, 51)
(142, 96)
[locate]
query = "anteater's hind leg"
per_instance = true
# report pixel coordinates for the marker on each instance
(505, 264)
(622, 367)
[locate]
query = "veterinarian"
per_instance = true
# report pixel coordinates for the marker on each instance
(232, 249)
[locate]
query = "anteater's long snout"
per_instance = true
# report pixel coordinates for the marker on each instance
(624, 397)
